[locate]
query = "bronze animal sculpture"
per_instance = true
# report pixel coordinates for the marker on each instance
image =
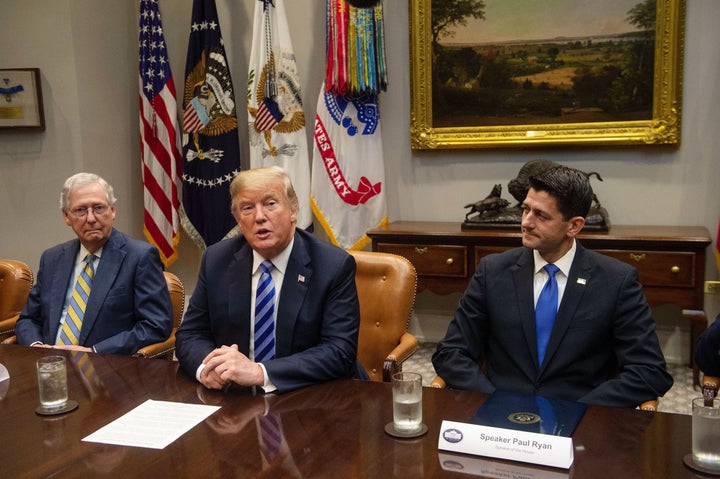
(519, 186)
(491, 202)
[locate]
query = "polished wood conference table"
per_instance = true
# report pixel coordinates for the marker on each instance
(333, 430)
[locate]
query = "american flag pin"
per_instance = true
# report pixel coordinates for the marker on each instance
(301, 278)
(581, 281)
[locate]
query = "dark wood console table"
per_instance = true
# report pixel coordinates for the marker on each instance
(670, 259)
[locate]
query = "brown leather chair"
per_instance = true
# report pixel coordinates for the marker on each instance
(386, 286)
(166, 349)
(16, 279)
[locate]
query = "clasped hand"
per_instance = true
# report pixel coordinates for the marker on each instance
(227, 364)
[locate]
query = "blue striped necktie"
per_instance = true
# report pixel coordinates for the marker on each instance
(264, 315)
(271, 435)
(546, 310)
(70, 332)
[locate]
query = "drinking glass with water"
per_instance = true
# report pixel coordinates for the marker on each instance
(407, 402)
(52, 382)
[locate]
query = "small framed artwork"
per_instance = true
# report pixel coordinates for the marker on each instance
(21, 103)
(493, 73)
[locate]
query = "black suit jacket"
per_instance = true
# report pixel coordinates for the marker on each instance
(318, 315)
(603, 348)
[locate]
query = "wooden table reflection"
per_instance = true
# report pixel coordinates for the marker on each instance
(330, 430)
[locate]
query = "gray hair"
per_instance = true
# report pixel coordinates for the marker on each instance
(79, 180)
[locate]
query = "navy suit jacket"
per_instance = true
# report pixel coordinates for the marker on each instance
(318, 316)
(603, 348)
(707, 350)
(129, 305)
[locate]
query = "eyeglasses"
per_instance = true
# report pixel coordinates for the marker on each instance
(82, 211)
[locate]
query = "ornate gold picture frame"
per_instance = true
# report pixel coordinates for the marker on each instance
(454, 103)
(21, 102)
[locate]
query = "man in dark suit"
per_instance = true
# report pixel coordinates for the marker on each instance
(707, 349)
(601, 348)
(128, 305)
(314, 309)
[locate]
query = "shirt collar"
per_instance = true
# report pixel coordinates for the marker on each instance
(84, 252)
(564, 263)
(280, 261)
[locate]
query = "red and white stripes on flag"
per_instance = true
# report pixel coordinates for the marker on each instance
(159, 139)
(268, 115)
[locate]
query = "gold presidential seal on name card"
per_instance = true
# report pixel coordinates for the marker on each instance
(523, 418)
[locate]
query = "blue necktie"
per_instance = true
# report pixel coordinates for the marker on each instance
(546, 310)
(264, 315)
(70, 332)
(271, 435)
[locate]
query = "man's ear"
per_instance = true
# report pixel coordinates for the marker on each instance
(66, 217)
(576, 225)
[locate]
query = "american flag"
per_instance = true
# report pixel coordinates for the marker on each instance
(159, 140)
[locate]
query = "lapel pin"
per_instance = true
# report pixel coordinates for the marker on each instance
(301, 278)
(581, 281)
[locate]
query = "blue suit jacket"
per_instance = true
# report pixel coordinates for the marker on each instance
(318, 315)
(603, 348)
(129, 305)
(707, 350)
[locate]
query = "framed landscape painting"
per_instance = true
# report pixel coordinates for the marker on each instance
(518, 73)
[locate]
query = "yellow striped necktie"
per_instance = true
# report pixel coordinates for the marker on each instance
(70, 332)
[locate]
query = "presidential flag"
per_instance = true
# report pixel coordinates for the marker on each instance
(275, 110)
(348, 191)
(159, 136)
(210, 138)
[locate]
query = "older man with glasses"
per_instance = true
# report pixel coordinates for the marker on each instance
(103, 291)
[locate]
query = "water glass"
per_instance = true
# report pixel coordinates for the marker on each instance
(52, 382)
(407, 402)
(706, 433)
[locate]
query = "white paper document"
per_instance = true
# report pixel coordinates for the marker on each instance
(153, 424)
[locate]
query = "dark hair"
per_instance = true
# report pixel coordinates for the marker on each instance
(570, 187)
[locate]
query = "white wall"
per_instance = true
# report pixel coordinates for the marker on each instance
(87, 53)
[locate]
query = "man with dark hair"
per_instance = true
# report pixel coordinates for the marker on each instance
(552, 318)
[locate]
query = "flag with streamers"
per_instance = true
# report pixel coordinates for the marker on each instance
(275, 110)
(355, 46)
(348, 192)
(210, 137)
(159, 136)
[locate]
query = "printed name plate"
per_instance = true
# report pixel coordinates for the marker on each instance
(531, 447)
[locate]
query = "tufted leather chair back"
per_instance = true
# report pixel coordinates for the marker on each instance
(15, 282)
(166, 349)
(386, 285)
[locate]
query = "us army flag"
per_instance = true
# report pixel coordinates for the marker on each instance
(348, 178)
(275, 111)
